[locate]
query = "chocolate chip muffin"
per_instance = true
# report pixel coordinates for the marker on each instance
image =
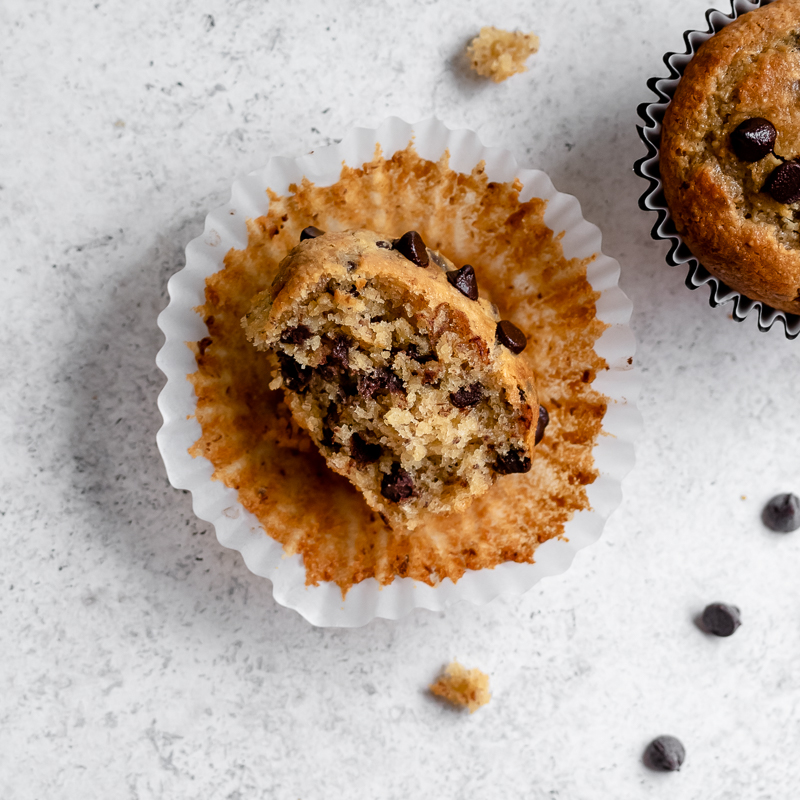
(405, 378)
(730, 155)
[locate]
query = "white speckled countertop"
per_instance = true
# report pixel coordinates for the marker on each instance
(139, 658)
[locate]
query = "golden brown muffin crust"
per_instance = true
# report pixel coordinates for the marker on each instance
(750, 69)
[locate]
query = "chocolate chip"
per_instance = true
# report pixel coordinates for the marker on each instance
(311, 232)
(465, 281)
(296, 335)
(295, 376)
(412, 351)
(411, 246)
(363, 452)
(513, 461)
(544, 421)
(666, 754)
(782, 513)
(753, 139)
(397, 485)
(384, 245)
(721, 619)
(382, 379)
(340, 352)
(204, 344)
(783, 184)
(351, 265)
(467, 396)
(511, 336)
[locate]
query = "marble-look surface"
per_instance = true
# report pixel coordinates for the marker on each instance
(139, 658)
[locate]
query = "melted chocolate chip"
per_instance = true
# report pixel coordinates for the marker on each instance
(666, 754)
(296, 335)
(782, 513)
(412, 351)
(783, 184)
(513, 461)
(465, 281)
(311, 232)
(295, 376)
(397, 485)
(340, 352)
(467, 396)
(511, 336)
(382, 379)
(753, 139)
(363, 452)
(384, 245)
(721, 619)
(411, 246)
(544, 421)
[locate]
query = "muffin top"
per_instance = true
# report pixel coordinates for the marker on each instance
(729, 155)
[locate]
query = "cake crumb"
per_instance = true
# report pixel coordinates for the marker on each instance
(463, 687)
(499, 54)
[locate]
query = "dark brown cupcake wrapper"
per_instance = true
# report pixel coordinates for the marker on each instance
(648, 167)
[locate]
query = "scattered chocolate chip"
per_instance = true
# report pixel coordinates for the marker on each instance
(721, 619)
(296, 335)
(397, 485)
(465, 281)
(782, 513)
(363, 452)
(511, 336)
(544, 421)
(666, 754)
(351, 265)
(513, 461)
(467, 396)
(204, 344)
(412, 351)
(311, 232)
(753, 139)
(384, 245)
(783, 184)
(295, 376)
(382, 379)
(411, 246)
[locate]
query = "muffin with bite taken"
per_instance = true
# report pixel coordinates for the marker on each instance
(407, 381)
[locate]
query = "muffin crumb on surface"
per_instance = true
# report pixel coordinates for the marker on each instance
(463, 687)
(499, 54)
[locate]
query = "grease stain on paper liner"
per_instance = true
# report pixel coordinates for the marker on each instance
(257, 449)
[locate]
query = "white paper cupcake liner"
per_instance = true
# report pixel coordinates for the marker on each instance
(648, 167)
(237, 528)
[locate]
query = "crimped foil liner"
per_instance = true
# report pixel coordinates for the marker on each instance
(652, 199)
(218, 504)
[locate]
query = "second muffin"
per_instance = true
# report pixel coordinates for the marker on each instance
(729, 155)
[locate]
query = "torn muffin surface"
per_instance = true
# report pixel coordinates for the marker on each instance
(464, 687)
(406, 380)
